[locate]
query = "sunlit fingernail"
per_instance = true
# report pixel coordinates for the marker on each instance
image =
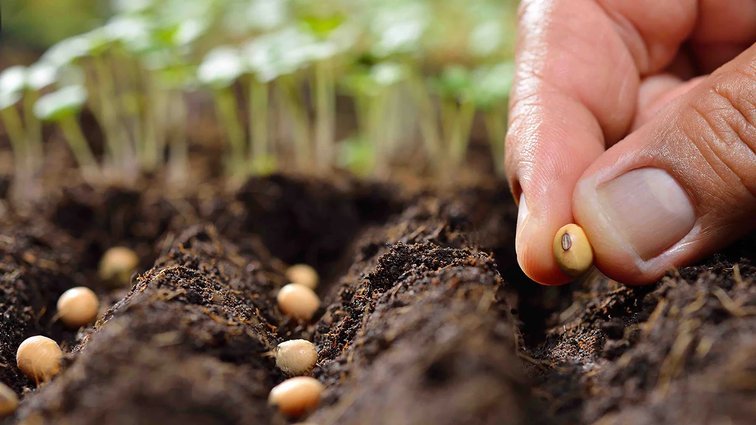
(522, 216)
(648, 209)
(522, 213)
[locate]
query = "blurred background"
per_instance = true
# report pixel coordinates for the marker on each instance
(137, 87)
(35, 25)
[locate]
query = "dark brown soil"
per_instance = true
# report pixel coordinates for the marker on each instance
(426, 318)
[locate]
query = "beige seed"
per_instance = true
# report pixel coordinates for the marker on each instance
(303, 275)
(8, 400)
(78, 307)
(296, 396)
(117, 265)
(572, 251)
(296, 357)
(298, 301)
(39, 358)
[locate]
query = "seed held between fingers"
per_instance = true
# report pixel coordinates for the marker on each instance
(78, 307)
(296, 396)
(298, 301)
(39, 358)
(572, 251)
(296, 357)
(303, 275)
(8, 400)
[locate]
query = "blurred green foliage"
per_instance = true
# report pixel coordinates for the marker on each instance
(37, 24)
(415, 73)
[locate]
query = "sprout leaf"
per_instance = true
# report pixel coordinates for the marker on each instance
(454, 82)
(41, 75)
(68, 50)
(8, 99)
(13, 79)
(132, 31)
(221, 67)
(491, 84)
(399, 29)
(61, 103)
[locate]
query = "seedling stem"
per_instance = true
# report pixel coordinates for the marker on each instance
(325, 109)
(225, 103)
(261, 153)
(79, 147)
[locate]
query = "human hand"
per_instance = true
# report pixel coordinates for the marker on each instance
(611, 127)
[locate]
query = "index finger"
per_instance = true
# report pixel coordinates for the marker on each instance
(579, 65)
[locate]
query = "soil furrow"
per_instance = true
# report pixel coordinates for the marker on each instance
(425, 318)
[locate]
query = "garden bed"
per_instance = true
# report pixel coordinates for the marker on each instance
(425, 317)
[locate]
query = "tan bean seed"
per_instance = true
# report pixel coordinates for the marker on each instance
(39, 358)
(8, 400)
(117, 265)
(298, 301)
(296, 396)
(572, 251)
(296, 357)
(303, 275)
(78, 307)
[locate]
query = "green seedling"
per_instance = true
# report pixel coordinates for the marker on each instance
(219, 70)
(132, 6)
(261, 153)
(68, 51)
(374, 90)
(254, 16)
(63, 107)
(457, 111)
(398, 27)
(88, 50)
(166, 74)
(313, 42)
(12, 83)
(297, 60)
(357, 155)
(329, 37)
(133, 32)
(277, 57)
(167, 77)
(38, 77)
(490, 93)
(121, 39)
(427, 120)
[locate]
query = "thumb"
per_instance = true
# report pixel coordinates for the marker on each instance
(679, 187)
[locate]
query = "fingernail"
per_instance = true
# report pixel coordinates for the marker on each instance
(522, 212)
(522, 216)
(649, 210)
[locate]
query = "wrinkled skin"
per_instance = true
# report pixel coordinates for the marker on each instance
(604, 87)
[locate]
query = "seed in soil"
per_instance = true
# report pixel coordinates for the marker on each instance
(78, 307)
(572, 251)
(296, 357)
(39, 358)
(296, 396)
(303, 274)
(8, 400)
(117, 265)
(298, 301)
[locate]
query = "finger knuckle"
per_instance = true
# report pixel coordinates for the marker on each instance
(722, 125)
